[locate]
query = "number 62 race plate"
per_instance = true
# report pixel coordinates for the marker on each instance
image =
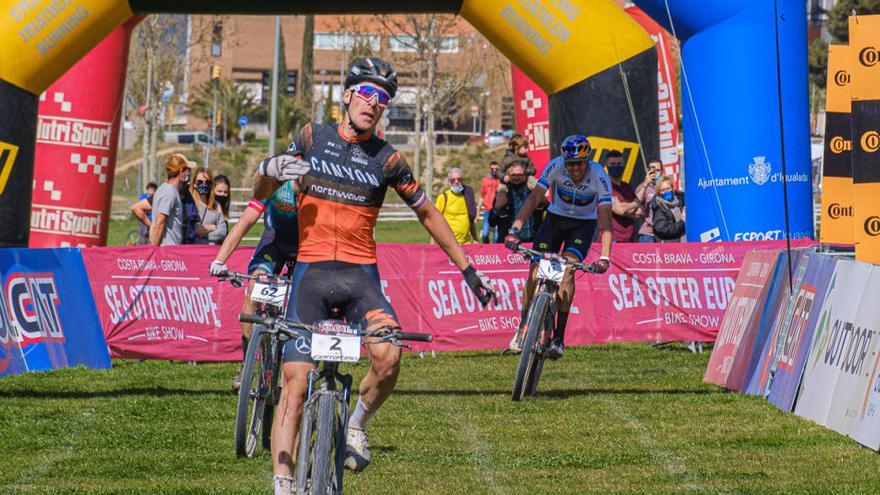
(272, 295)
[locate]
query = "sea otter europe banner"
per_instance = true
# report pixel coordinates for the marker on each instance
(161, 303)
(653, 292)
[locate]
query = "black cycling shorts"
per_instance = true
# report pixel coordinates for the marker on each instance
(272, 253)
(338, 290)
(575, 234)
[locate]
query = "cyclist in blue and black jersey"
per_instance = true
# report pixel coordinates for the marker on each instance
(277, 247)
(581, 200)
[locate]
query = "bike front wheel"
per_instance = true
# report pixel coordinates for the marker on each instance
(325, 477)
(252, 395)
(526, 379)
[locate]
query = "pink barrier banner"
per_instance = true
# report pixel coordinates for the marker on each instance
(653, 292)
(160, 303)
(741, 321)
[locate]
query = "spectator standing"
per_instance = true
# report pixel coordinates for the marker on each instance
(222, 189)
(488, 190)
(167, 224)
(206, 217)
(509, 203)
(668, 212)
(459, 206)
(625, 206)
(143, 210)
(645, 194)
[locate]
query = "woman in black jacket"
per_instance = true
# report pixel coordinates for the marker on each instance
(668, 212)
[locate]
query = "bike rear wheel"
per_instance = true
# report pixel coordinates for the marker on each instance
(252, 395)
(525, 379)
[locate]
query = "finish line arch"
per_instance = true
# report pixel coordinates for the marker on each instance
(574, 49)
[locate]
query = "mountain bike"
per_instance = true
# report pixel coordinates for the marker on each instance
(261, 370)
(324, 424)
(541, 318)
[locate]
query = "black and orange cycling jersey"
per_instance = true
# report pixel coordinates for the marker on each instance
(341, 196)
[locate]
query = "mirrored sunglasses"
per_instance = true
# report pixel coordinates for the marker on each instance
(367, 93)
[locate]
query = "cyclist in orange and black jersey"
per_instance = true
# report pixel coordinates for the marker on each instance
(349, 171)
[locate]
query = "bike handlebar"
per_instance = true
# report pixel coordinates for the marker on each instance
(585, 267)
(271, 322)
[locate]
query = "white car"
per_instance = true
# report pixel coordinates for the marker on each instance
(495, 137)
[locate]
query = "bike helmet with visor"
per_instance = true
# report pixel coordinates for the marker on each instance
(575, 148)
(374, 70)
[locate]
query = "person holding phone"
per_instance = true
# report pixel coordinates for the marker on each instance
(645, 193)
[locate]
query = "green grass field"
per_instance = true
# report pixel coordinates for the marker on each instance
(608, 419)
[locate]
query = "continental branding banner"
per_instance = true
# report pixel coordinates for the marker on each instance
(41, 39)
(864, 35)
(837, 183)
(558, 43)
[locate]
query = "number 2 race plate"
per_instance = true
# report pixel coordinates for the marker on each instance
(272, 295)
(336, 341)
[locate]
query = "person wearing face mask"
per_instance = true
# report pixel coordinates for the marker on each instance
(488, 189)
(626, 208)
(645, 194)
(222, 187)
(206, 223)
(668, 212)
(508, 205)
(167, 225)
(459, 207)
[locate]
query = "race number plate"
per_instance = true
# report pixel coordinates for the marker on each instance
(272, 295)
(551, 270)
(335, 341)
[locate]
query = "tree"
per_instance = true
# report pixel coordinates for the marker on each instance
(439, 94)
(838, 16)
(818, 62)
(307, 63)
(233, 101)
(157, 47)
(328, 108)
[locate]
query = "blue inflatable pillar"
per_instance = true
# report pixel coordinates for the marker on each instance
(733, 80)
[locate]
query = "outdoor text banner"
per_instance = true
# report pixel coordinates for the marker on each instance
(47, 314)
(866, 429)
(837, 185)
(833, 339)
(864, 36)
(742, 318)
(798, 331)
(161, 303)
(855, 356)
(653, 292)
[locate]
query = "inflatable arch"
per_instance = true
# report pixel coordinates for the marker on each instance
(578, 51)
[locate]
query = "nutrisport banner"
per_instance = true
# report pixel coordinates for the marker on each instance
(740, 320)
(75, 154)
(47, 314)
(797, 331)
(836, 356)
(161, 303)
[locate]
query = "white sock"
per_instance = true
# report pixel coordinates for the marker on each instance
(360, 416)
(283, 484)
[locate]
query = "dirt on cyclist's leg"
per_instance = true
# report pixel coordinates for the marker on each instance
(285, 426)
